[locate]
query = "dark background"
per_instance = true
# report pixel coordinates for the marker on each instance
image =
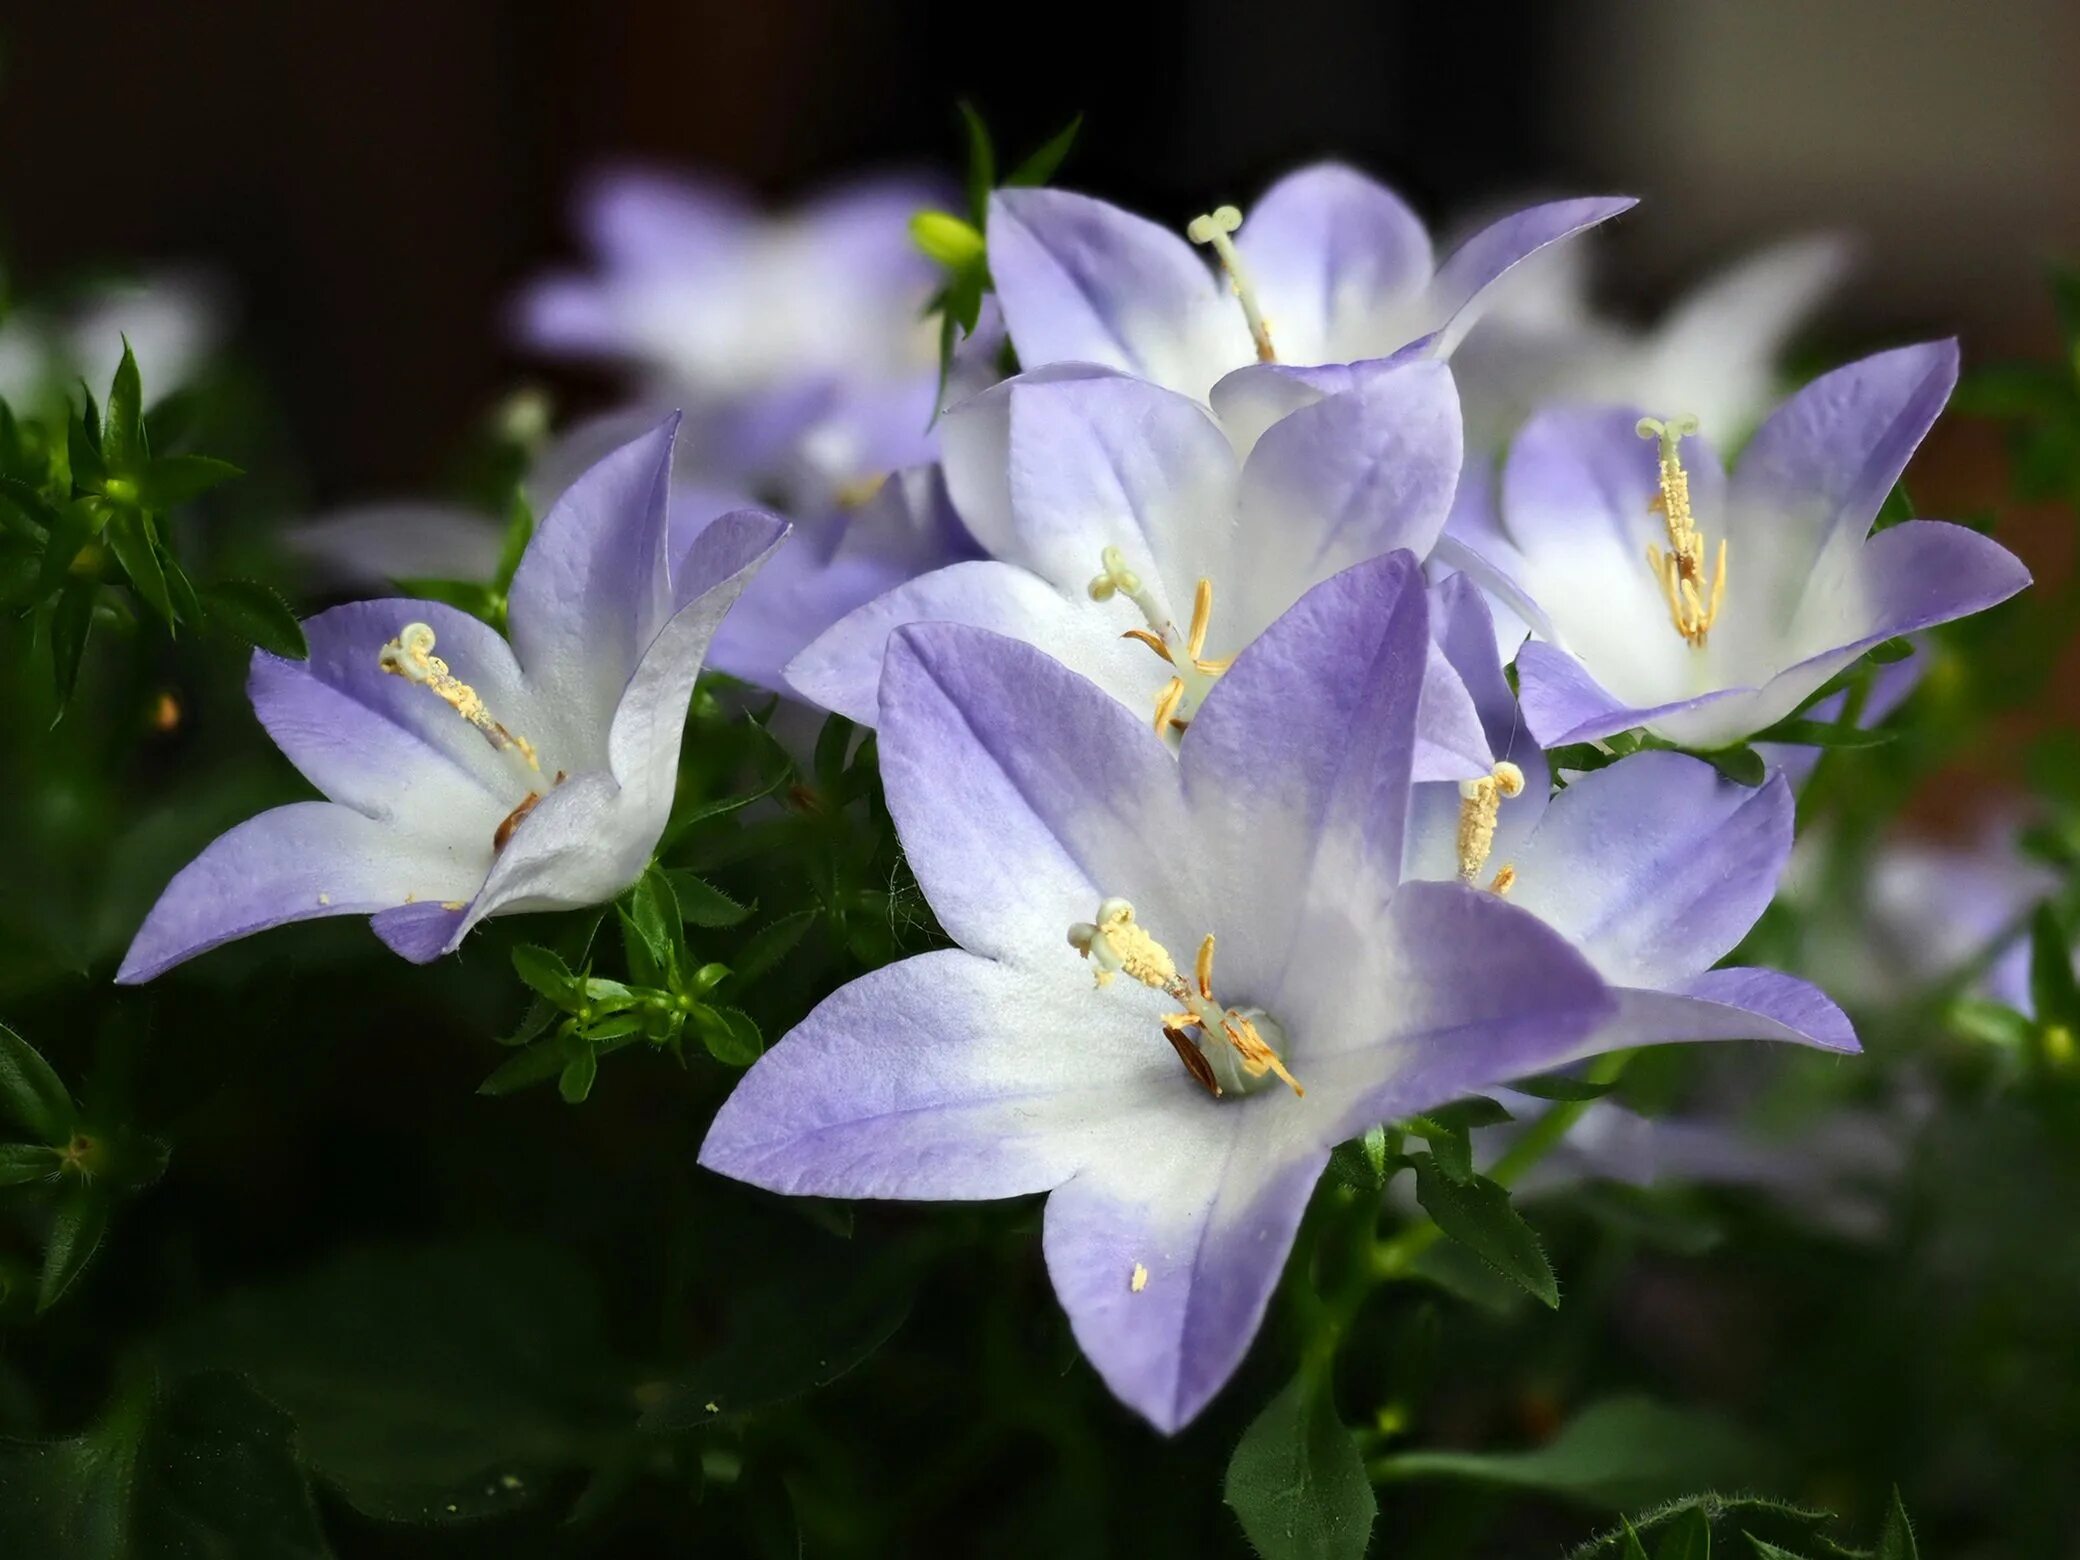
(375, 178)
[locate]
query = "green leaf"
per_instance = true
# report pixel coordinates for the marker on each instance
(513, 547)
(1892, 651)
(173, 480)
(1729, 1519)
(31, 1094)
(1297, 1483)
(1765, 1550)
(1042, 164)
(1559, 1086)
(651, 926)
(122, 424)
(83, 448)
(257, 614)
(575, 1081)
(545, 971)
(1740, 764)
(525, 1068)
(946, 240)
(1451, 1146)
(433, 1384)
(208, 1469)
(1896, 1539)
(1478, 1215)
(1622, 1452)
(833, 741)
(21, 1163)
(1824, 734)
(75, 1236)
(1361, 1164)
(770, 944)
(1897, 509)
(731, 1036)
(2052, 987)
(71, 621)
(76, 525)
(982, 164)
(1633, 1550)
(701, 903)
(1689, 1537)
(130, 539)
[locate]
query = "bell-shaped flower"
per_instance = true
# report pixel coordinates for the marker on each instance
(466, 776)
(1652, 868)
(1716, 353)
(1663, 593)
(1126, 539)
(1329, 268)
(1180, 979)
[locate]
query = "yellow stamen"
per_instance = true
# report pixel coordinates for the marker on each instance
(1215, 228)
(1693, 597)
(1117, 944)
(1167, 702)
(1143, 636)
(1202, 614)
(1480, 804)
(1182, 695)
(410, 656)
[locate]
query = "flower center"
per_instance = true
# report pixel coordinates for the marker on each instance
(1480, 803)
(1222, 1047)
(410, 656)
(1216, 228)
(1693, 596)
(1195, 672)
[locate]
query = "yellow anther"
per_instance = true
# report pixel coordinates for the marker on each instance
(1117, 944)
(1480, 804)
(1505, 880)
(1166, 704)
(859, 492)
(1693, 596)
(410, 656)
(1182, 694)
(1217, 228)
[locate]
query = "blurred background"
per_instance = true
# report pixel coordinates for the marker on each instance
(376, 178)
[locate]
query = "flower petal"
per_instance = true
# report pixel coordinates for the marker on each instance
(1906, 578)
(1656, 866)
(293, 863)
(405, 540)
(1081, 281)
(1023, 793)
(841, 669)
(1165, 1286)
(1328, 249)
(580, 845)
(946, 1076)
(1730, 1004)
(1346, 479)
(1489, 253)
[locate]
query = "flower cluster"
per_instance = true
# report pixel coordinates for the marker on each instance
(1315, 682)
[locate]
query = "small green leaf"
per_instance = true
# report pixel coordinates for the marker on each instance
(1361, 1164)
(982, 164)
(1687, 1538)
(1765, 1550)
(122, 425)
(1822, 734)
(701, 903)
(76, 1232)
(833, 741)
(1451, 1146)
(130, 539)
(1742, 764)
(1478, 1215)
(83, 447)
(770, 944)
(731, 1036)
(651, 927)
(523, 1069)
(77, 524)
(513, 547)
(257, 614)
(1896, 1539)
(173, 480)
(1043, 163)
(546, 972)
(71, 621)
(21, 1163)
(1559, 1086)
(575, 1082)
(1892, 651)
(1633, 1551)
(1296, 1482)
(31, 1094)
(2052, 987)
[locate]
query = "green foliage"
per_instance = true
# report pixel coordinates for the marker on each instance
(1476, 1212)
(1296, 1482)
(1699, 1526)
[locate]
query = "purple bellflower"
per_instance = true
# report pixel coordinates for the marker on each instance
(1064, 1047)
(1663, 593)
(466, 776)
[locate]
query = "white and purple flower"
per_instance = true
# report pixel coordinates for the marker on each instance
(1067, 851)
(467, 777)
(1663, 593)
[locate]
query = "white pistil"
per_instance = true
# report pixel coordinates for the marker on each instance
(410, 656)
(1216, 228)
(1195, 671)
(1480, 804)
(1693, 596)
(1117, 944)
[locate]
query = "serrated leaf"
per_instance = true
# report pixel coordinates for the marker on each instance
(1451, 1146)
(1041, 166)
(1896, 1539)
(1687, 1538)
(76, 1231)
(1361, 1163)
(1732, 1519)
(31, 1093)
(1296, 1482)
(651, 928)
(130, 539)
(1478, 1215)
(1765, 1550)
(771, 944)
(701, 903)
(257, 614)
(544, 971)
(173, 480)
(731, 1036)
(1633, 1550)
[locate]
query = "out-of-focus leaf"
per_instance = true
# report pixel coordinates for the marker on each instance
(122, 423)
(982, 164)
(130, 539)
(2053, 989)
(173, 480)
(701, 903)
(1297, 1483)
(1046, 160)
(31, 1093)
(76, 1231)
(1896, 1539)
(1689, 1537)
(1736, 1522)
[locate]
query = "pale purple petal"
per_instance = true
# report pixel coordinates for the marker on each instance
(1327, 249)
(1250, 400)
(577, 846)
(1730, 1004)
(1906, 578)
(1483, 258)
(945, 1076)
(294, 863)
(405, 540)
(1023, 793)
(1081, 281)
(423, 930)
(1165, 1289)
(1656, 866)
